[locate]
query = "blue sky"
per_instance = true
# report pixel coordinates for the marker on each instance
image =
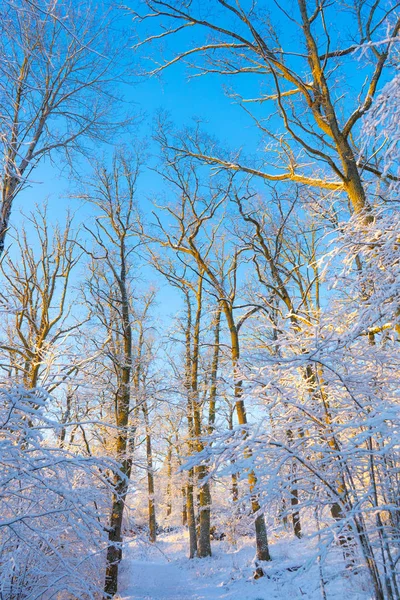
(197, 98)
(183, 99)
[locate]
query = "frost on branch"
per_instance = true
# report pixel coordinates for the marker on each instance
(381, 128)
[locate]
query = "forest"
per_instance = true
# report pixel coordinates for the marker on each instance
(200, 300)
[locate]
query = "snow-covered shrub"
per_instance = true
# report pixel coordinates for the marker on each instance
(51, 507)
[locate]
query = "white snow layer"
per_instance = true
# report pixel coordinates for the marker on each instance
(163, 572)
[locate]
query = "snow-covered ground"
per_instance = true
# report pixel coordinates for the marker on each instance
(163, 572)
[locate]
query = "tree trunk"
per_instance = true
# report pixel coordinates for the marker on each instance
(10, 185)
(114, 549)
(214, 372)
(234, 477)
(261, 530)
(65, 418)
(184, 507)
(190, 509)
(294, 494)
(150, 477)
(203, 541)
(124, 438)
(169, 481)
(294, 501)
(191, 517)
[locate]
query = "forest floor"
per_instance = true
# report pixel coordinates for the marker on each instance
(163, 572)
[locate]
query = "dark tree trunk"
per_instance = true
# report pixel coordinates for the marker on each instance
(204, 542)
(294, 500)
(169, 481)
(191, 516)
(150, 478)
(184, 507)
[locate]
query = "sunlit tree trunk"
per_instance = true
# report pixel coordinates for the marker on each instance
(141, 401)
(262, 549)
(184, 512)
(294, 494)
(214, 371)
(121, 480)
(109, 292)
(190, 505)
(203, 540)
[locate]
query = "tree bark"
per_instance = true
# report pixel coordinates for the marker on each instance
(214, 372)
(234, 477)
(150, 477)
(294, 494)
(191, 516)
(262, 549)
(203, 541)
(121, 480)
(184, 507)
(169, 481)
(190, 508)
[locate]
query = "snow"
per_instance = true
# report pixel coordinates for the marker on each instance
(160, 580)
(163, 572)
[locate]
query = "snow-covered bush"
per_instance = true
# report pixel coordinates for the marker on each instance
(51, 506)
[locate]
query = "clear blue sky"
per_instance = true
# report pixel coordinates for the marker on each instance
(199, 98)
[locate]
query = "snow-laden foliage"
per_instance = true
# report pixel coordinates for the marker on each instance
(51, 505)
(325, 396)
(266, 407)
(381, 128)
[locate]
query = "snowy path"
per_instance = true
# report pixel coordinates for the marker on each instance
(156, 573)
(163, 572)
(157, 581)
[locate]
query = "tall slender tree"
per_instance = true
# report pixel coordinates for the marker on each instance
(110, 294)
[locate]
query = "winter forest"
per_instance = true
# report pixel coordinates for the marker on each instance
(200, 300)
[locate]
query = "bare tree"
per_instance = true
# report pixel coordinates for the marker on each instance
(301, 83)
(143, 354)
(192, 237)
(110, 294)
(35, 292)
(58, 63)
